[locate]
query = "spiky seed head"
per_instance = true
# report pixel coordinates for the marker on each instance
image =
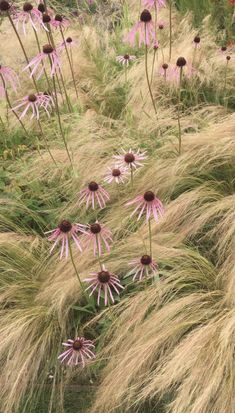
(149, 196)
(197, 39)
(104, 276)
(145, 16)
(47, 49)
(65, 226)
(77, 345)
(41, 7)
(93, 186)
(46, 18)
(129, 157)
(32, 97)
(4, 5)
(181, 62)
(27, 7)
(146, 259)
(58, 18)
(116, 172)
(95, 228)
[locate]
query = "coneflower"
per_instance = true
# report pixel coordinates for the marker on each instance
(29, 15)
(49, 54)
(62, 235)
(147, 204)
(131, 159)
(97, 236)
(143, 267)
(93, 194)
(79, 351)
(60, 22)
(117, 174)
(181, 63)
(106, 282)
(35, 102)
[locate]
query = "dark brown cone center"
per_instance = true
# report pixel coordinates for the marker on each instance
(146, 259)
(161, 26)
(46, 18)
(47, 49)
(58, 18)
(116, 172)
(95, 228)
(69, 40)
(77, 345)
(149, 196)
(41, 7)
(197, 39)
(228, 57)
(4, 5)
(165, 66)
(27, 7)
(126, 56)
(93, 186)
(32, 98)
(104, 276)
(145, 16)
(181, 62)
(65, 226)
(129, 158)
(223, 48)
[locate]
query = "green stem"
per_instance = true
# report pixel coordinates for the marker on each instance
(44, 70)
(76, 272)
(178, 111)
(146, 70)
(132, 180)
(153, 64)
(45, 140)
(150, 237)
(98, 252)
(70, 64)
(59, 120)
(170, 18)
(22, 47)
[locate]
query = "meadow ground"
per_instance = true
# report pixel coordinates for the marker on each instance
(166, 344)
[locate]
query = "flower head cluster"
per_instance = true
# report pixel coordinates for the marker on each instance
(130, 158)
(62, 234)
(29, 15)
(35, 102)
(97, 236)
(125, 59)
(93, 194)
(143, 266)
(48, 53)
(147, 204)
(144, 28)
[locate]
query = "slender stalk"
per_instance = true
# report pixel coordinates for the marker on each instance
(45, 140)
(170, 21)
(76, 272)
(59, 120)
(146, 70)
(98, 252)
(153, 64)
(125, 68)
(39, 49)
(22, 47)
(150, 237)
(178, 111)
(70, 64)
(225, 76)
(132, 179)
(10, 106)
(70, 108)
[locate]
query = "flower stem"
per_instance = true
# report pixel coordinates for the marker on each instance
(98, 252)
(22, 47)
(150, 237)
(10, 106)
(132, 179)
(170, 18)
(45, 140)
(146, 70)
(59, 120)
(76, 272)
(44, 70)
(178, 111)
(70, 63)
(153, 64)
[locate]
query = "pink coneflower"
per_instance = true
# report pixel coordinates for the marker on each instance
(9, 77)
(154, 3)
(60, 22)
(118, 174)
(92, 194)
(131, 159)
(125, 59)
(69, 42)
(29, 15)
(63, 233)
(142, 267)
(98, 236)
(104, 281)
(35, 102)
(144, 28)
(163, 70)
(48, 52)
(79, 351)
(181, 67)
(161, 24)
(149, 204)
